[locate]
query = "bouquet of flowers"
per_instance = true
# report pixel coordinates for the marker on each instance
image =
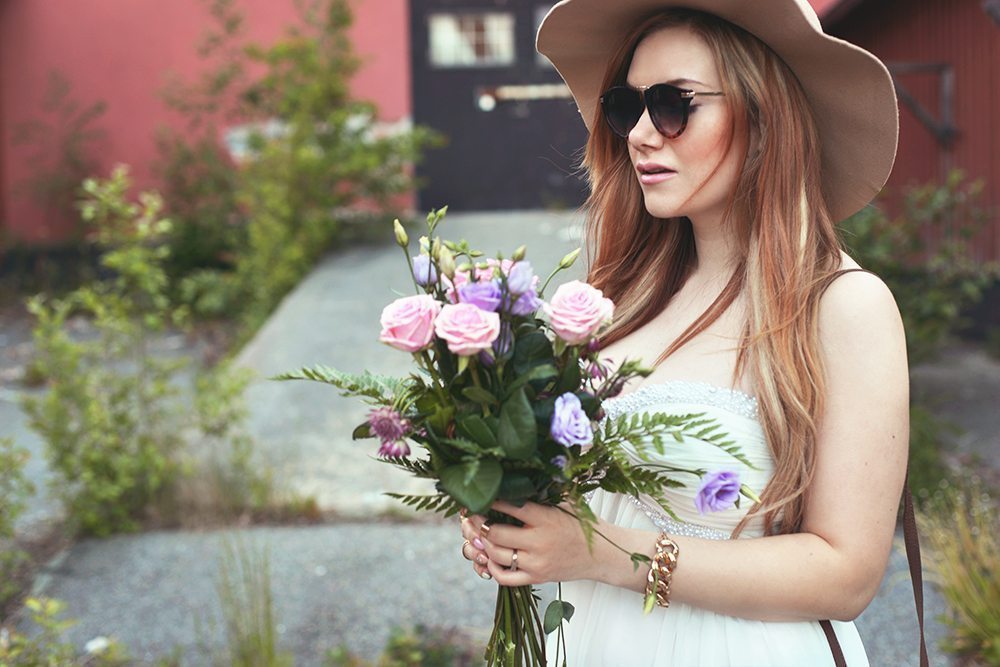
(505, 402)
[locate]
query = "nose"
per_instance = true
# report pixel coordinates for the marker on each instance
(645, 133)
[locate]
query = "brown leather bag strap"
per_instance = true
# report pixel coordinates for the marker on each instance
(912, 543)
(831, 636)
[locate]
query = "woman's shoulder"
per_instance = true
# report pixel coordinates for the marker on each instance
(858, 313)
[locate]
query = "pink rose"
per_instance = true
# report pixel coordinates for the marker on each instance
(467, 329)
(577, 311)
(408, 323)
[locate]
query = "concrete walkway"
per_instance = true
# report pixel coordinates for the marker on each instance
(351, 581)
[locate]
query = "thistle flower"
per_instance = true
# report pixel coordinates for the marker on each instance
(388, 426)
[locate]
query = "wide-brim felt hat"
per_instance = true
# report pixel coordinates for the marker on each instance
(850, 90)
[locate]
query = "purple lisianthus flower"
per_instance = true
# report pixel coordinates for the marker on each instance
(570, 424)
(521, 278)
(526, 304)
(501, 346)
(719, 490)
(483, 295)
(423, 271)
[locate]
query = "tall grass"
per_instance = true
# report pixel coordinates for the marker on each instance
(961, 528)
(244, 590)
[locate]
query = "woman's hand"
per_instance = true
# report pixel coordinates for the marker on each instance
(550, 546)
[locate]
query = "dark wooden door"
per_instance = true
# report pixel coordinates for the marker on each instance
(514, 136)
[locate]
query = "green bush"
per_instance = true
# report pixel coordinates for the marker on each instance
(15, 489)
(106, 418)
(924, 254)
(46, 647)
(319, 157)
(419, 646)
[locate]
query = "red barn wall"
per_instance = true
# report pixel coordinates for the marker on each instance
(958, 32)
(121, 51)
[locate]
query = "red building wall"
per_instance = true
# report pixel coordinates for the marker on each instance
(120, 51)
(960, 33)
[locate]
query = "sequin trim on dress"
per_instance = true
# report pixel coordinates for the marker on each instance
(672, 527)
(669, 525)
(682, 391)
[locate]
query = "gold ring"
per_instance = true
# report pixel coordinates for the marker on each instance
(513, 561)
(465, 544)
(484, 530)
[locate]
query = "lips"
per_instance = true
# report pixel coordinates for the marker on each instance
(651, 173)
(653, 168)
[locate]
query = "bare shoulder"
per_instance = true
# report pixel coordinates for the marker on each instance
(859, 305)
(861, 334)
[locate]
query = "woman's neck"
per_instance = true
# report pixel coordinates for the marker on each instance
(715, 249)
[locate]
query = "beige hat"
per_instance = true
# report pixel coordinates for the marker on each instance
(850, 90)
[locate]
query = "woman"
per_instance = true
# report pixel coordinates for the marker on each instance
(711, 224)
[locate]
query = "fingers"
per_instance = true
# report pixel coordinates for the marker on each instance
(474, 548)
(507, 577)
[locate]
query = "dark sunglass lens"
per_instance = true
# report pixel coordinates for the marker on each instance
(622, 109)
(667, 109)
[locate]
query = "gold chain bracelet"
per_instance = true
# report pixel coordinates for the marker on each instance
(662, 570)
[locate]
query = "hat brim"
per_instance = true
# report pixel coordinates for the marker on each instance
(849, 89)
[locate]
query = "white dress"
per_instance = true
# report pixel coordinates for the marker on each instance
(609, 628)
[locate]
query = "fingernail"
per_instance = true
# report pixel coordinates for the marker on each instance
(481, 559)
(478, 543)
(485, 575)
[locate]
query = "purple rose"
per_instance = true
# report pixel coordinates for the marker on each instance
(526, 304)
(719, 490)
(501, 346)
(521, 278)
(483, 295)
(423, 271)
(570, 424)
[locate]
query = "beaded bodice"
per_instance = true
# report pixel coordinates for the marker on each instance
(737, 415)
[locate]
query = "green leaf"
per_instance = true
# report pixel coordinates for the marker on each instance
(362, 431)
(480, 395)
(379, 387)
(556, 613)
(570, 378)
(517, 431)
(516, 486)
(530, 351)
(474, 484)
(476, 429)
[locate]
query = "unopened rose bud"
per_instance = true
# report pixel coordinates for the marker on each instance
(446, 261)
(401, 238)
(519, 253)
(568, 260)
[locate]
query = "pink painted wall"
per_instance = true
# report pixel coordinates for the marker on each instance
(120, 51)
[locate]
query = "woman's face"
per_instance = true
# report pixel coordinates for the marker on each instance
(692, 190)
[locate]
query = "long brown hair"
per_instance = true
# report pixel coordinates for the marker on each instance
(788, 247)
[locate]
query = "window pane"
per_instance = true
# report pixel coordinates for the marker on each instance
(469, 40)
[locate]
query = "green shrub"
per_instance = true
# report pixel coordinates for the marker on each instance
(319, 157)
(15, 489)
(419, 646)
(924, 254)
(961, 531)
(106, 418)
(46, 647)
